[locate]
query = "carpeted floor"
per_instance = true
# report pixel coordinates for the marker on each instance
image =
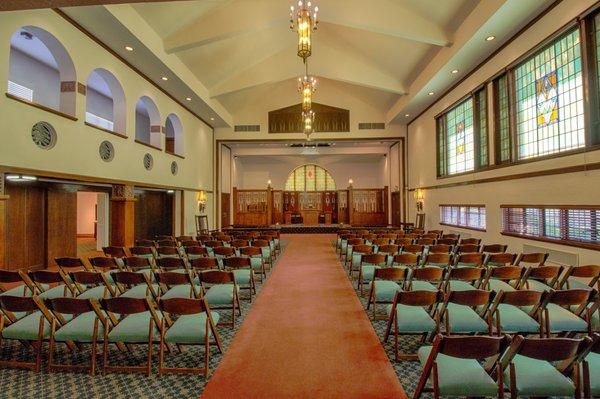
(307, 336)
(18, 383)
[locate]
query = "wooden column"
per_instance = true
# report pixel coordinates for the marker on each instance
(3, 199)
(235, 206)
(122, 216)
(386, 205)
(350, 205)
(269, 205)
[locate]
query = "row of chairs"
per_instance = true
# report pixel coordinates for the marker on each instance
(486, 366)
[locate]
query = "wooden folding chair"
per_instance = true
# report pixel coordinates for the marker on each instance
(92, 285)
(426, 279)
(494, 248)
(541, 278)
(567, 311)
(573, 279)
(256, 261)
(386, 282)
(463, 279)
(223, 292)
(514, 312)
(137, 324)
(591, 369)
(460, 312)
(48, 283)
(468, 260)
(503, 278)
(243, 273)
(135, 285)
(454, 366)
(368, 263)
(356, 253)
(443, 261)
(542, 367)
(175, 285)
(194, 325)
(201, 264)
(413, 313)
(499, 259)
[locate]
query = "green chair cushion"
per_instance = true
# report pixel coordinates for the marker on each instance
(538, 378)
(537, 285)
(419, 285)
(460, 377)
(462, 264)
(367, 272)
(21, 290)
(499, 285)
(458, 285)
(464, 319)
(220, 294)
(593, 360)
(189, 329)
(256, 263)
(242, 276)
(56, 292)
(385, 290)
(95, 293)
(140, 291)
(514, 320)
(26, 328)
(179, 291)
(413, 319)
(562, 319)
(80, 329)
(578, 284)
(134, 328)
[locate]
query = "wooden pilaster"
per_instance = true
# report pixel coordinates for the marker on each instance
(122, 216)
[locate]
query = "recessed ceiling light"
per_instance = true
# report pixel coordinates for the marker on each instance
(490, 38)
(406, 115)
(189, 98)
(212, 119)
(430, 93)
(128, 48)
(170, 191)
(20, 178)
(454, 71)
(164, 78)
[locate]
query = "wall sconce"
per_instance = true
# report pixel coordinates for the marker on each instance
(202, 199)
(419, 196)
(350, 182)
(269, 183)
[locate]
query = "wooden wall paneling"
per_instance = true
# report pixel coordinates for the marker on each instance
(3, 199)
(61, 206)
(396, 217)
(153, 214)
(225, 211)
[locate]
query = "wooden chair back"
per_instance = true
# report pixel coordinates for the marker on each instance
(521, 298)
(141, 251)
(451, 236)
(236, 262)
(145, 243)
(183, 306)
(500, 258)
(167, 251)
(532, 259)
(250, 251)
(407, 259)
(104, 263)
(470, 241)
(224, 251)
(73, 306)
(467, 248)
(374, 259)
(171, 263)
(465, 274)
(413, 248)
(135, 263)
(494, 248)
(381, 241)
(390, 274)
(216, 277)
(204, 263)
(114, 252)
(129, 279)
(16, 304)
(391, 249)
(260, 243)
(197, 251)
(427, 274)
(166, 243)
(548, 349)
(356, 241)
(362, 249)
(189, 243)
(69, 263)
(570, 297)
(547, 274)
(419, 298)
(440, 249)
(506, 273)
(475, 259)
(171, 279)
(125, 305)
(213, 244)
(184, 238)
(470, 298)
(438, 259)
(404, 241)
(240, 243)
(591, 272)
(447, 241)
(46, 277)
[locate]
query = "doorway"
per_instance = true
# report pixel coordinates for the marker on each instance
(92, 222)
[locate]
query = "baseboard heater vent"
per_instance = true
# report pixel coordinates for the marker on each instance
(560, 258)
(371, 126)
(246, 128)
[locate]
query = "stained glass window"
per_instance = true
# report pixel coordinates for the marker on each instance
(549, 99)
(502, 122)
(455, 140)
(481, 128)
(310, 177)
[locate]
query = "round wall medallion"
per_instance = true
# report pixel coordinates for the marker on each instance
(43, 135)
(107, 151)
(148, 161)
(174, 168)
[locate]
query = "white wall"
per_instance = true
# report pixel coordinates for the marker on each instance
(98, 104)
(86, 212)
(76, 151)
(367, 171)
(42, 79)
(574, 188)
(142, 127)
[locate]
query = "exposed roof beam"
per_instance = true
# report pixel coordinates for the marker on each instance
(376, 16)
(14, 5)
(333, 64)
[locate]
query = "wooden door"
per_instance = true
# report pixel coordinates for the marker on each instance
(225, 210)
(62, 224)
(396, 215)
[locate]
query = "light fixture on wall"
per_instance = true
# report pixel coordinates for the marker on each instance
(202, 199)
(350, 182)
(20, 178)
(304, 21)
(419, 197)
(269, 183)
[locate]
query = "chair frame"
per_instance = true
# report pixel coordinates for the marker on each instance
(386, 274)
(473, 299)
(221, 277)
(518, 299)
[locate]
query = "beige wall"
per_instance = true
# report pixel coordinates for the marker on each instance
(76, 151)
(573, 188)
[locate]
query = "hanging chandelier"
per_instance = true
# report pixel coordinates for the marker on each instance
(308, 119)
(304, 21)
(307, 86)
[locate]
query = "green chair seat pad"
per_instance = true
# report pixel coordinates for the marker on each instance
(26, 328)
(134, 328)
(95, 293)
(459, 285)
(464, 319)
(420, 285)
(460, 377)
(562, 319)
(514, 320)
(242, 277)
(385, 290)
(538, 378)
(179, 291)
(56, 292)
(140, 291)
(593, 360)
(80, 329)
(499, 285)
(190, 329)
(536, 285)
(413, 319)
(221, 294)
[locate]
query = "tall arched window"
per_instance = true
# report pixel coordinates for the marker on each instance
(105, 101)
(41, 70)
(174, 135)
(147, 122)
(310, 177)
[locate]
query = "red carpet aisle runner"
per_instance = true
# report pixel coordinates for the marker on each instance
(307, 335)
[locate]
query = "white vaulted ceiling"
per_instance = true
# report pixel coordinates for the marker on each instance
(387, 53)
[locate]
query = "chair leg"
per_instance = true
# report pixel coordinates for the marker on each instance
(105, 348)
(94, 348)
(150, 340)
(51, 346)
(161, 349)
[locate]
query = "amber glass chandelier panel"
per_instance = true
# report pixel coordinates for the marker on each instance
(304, 21)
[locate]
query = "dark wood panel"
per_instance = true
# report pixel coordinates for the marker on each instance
(396, 212)
(2, 230)
(62, 224)
(25, 227)
(225, 209)
(153, 214)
